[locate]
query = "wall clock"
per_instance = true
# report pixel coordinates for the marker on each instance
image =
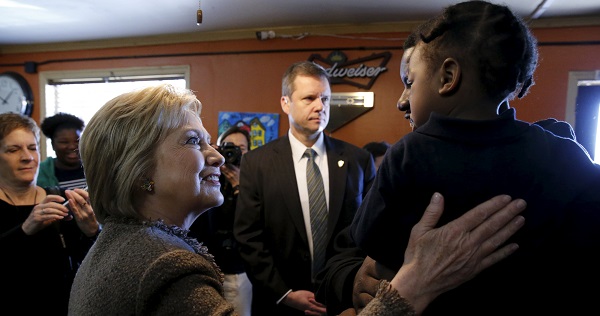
(15, 94)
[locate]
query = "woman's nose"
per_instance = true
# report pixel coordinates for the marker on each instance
(214, 158)
(28, 155)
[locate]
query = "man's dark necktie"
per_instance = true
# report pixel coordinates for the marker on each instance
(318, 211)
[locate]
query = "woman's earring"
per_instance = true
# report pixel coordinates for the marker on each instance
(147, 185)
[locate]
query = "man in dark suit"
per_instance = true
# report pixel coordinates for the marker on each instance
(272, 222)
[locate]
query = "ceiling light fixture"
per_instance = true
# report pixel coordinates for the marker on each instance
(199, 14)
(265, 35)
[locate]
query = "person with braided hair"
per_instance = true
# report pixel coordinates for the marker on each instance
(467, 62)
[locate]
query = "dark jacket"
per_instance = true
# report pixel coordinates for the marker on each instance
(37, 271)
(269, 224)
(469, 162)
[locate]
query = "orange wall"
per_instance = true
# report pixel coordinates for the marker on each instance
(245, 75)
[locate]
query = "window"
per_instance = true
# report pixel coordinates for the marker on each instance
(583, 109)
(586, 117)
(82, 93)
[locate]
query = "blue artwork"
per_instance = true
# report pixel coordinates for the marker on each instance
(263, 127)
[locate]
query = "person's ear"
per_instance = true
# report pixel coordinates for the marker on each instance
(285, 104)
(450, 76)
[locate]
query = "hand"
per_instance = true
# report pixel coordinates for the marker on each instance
(305, 301)
(79, 203)
(367, 280)
(231, 173)
(44, 214)
(439, 259)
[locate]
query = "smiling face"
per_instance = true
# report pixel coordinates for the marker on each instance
(187, 173)
(66, 144)
(308, 107)
(19, 158)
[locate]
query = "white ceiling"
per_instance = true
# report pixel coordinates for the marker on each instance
(53, 21)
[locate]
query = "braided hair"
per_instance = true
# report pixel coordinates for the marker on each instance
(490, 36)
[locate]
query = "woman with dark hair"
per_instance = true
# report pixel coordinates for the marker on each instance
(65, 170)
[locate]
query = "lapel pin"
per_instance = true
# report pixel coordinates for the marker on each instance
(340, 163)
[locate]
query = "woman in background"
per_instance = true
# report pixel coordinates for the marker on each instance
(65, 170)
(41, 242)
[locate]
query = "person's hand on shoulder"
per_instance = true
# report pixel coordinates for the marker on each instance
(439, 259)
(443, 258)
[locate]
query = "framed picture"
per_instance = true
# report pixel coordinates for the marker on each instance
(263, 127)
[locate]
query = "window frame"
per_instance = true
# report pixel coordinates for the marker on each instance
(112, 74)
(575, 78)
(573, 86)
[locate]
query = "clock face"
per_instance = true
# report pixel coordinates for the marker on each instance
(15, 94)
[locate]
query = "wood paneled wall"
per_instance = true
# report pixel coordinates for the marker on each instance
(245, 75)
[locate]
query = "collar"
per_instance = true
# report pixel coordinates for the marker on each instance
(298, 148)
(504, 127)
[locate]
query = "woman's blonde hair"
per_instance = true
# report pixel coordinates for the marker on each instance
(118, 145)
